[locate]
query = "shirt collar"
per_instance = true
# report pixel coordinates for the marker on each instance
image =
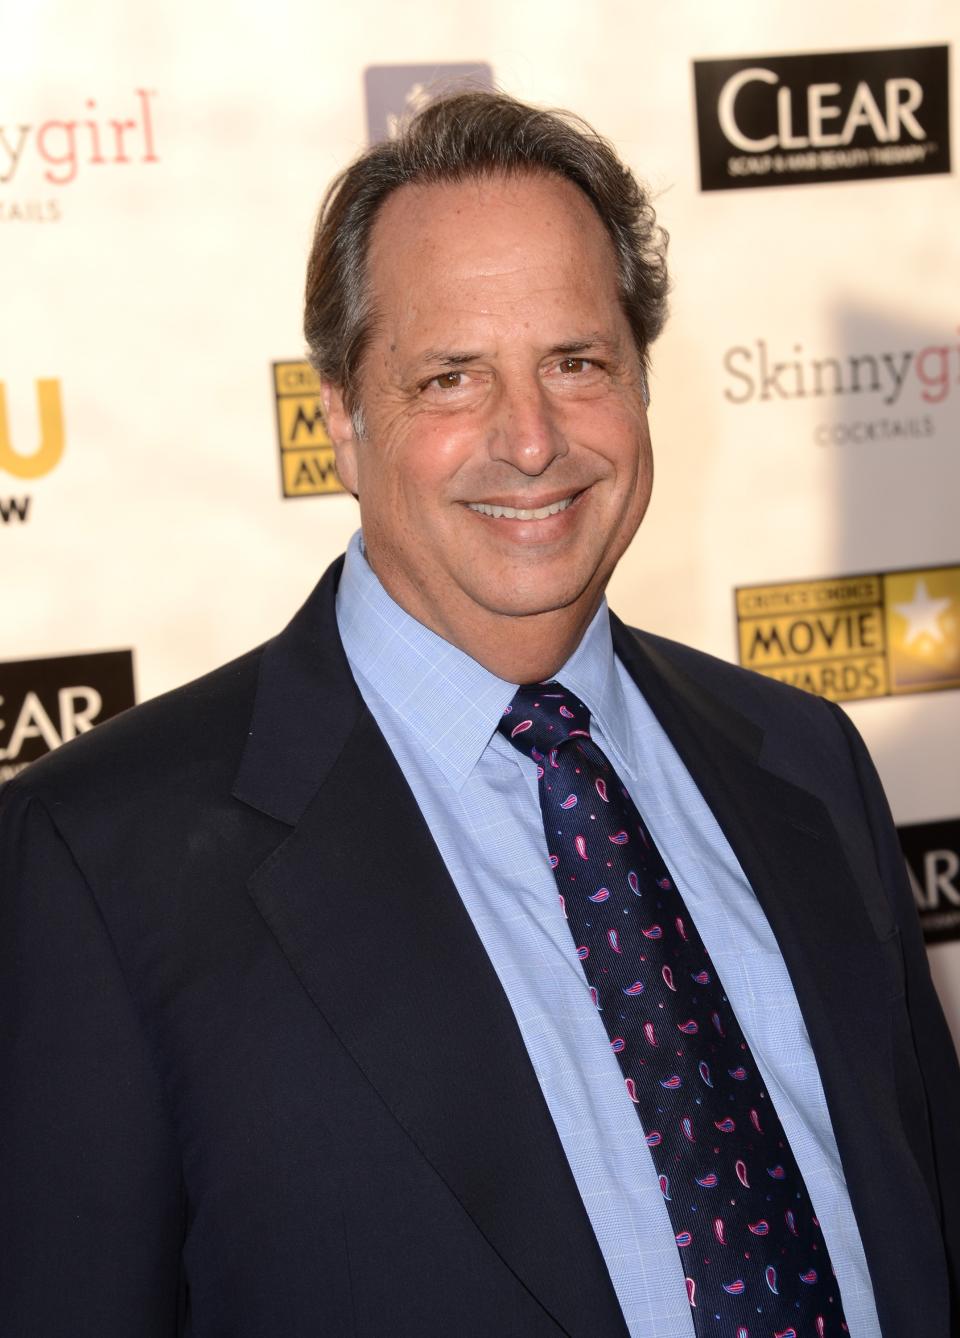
(443, 698)
(591, 673)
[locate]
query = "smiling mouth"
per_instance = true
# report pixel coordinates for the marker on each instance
(520, 513)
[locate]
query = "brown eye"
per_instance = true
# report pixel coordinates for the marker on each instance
(573, 365)
(448, 380)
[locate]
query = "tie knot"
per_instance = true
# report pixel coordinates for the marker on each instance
(541, 717)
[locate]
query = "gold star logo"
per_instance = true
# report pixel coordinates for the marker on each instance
(923, 616)
(923, 629)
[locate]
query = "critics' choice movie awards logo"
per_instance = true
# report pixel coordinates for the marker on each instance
(307, 466)
(898, 387)
(38, 160)
(856, 636)
(826, 116)
(26, 466)
(396, 92)
(44, 703)
(932, 851)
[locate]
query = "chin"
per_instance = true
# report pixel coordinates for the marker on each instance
(528, 603)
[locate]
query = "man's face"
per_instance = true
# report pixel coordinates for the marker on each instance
(505, 463)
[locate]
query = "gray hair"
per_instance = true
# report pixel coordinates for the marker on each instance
(464, 135)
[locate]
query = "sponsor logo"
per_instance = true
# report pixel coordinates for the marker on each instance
(44, 703)
(42, 459)
(820, 117)
(868, 635)
(38, 160)
(932, 852)
(900, 388)
(307, 466)
(396, 92)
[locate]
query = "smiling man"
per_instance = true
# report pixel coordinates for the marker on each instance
(504, 464)
(478, 966)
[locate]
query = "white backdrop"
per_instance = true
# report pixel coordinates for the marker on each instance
(158, 290)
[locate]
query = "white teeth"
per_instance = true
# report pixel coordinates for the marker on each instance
(519, 513)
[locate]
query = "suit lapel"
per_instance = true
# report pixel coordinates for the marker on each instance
(841, 950)
(786, 844)
(782, 834)
(365, 911)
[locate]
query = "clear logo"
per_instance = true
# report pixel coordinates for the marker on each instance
(820, 117)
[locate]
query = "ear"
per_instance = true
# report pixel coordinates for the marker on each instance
(340, 429)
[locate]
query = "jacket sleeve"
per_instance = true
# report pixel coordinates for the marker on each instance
(932, 1041)
(90, 1188)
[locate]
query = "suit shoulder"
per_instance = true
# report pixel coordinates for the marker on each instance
(803, 737)
(174, 740)
(756, 695)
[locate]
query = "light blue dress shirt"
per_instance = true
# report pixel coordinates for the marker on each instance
(438, 710)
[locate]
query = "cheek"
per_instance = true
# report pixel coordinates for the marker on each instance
(399, 491)
(626, 451)
(426, 470)
(447, 437)
(614, 426)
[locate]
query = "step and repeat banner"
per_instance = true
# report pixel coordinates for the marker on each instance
(167, 491)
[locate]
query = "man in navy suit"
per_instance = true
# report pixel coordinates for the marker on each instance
(294, 1040)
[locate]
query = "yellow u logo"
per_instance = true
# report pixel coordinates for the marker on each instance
(48, 453)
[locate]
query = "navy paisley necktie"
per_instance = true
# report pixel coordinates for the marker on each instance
(754, 1257)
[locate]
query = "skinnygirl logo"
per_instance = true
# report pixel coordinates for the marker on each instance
(757, 372)
(56, 150)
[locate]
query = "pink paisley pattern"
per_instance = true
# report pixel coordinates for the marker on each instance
(761, 1268)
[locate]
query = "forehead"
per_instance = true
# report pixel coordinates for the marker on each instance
(488, 242)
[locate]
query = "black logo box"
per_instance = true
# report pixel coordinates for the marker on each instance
(782, 126)
(932, 852)
(46, 702)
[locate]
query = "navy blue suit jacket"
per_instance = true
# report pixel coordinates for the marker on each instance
(259, 1079)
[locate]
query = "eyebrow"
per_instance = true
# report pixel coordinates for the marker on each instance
(442, 358)
(594, 341)
(436, 357)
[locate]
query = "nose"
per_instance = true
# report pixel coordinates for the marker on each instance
(527, 432)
